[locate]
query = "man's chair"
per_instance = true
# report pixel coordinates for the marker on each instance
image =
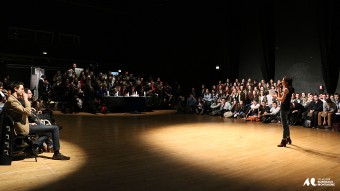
(6, 138)
(13, 146)
(22, 147)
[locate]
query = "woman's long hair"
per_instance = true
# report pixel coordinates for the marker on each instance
(289, 81)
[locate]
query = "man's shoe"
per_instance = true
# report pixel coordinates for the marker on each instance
(60, 156)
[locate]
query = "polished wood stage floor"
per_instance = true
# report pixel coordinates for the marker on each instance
(162, 150)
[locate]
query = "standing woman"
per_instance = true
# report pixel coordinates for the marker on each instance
(284, 96)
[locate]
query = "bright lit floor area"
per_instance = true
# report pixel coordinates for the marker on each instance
(162, 150)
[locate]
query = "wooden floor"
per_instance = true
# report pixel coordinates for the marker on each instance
(162, 150)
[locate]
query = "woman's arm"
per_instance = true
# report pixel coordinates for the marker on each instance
(282, 97)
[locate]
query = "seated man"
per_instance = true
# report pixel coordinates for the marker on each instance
(20, 114)
(3, 93)
(337, 112)
(295, 115)
(215, 107)
(253, 111)
(33, 119)
(224, 106)
(273, 115)
(37, 108)
(180, 104)
(37, 117)
(240, 110)
(312, 111)
(199, 106)
(263, 110)
(191, 104)
(329, 109)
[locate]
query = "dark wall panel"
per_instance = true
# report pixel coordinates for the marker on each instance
(297, 46)
(297, 51)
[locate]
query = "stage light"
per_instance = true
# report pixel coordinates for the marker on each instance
(47, 167)
(217, 67)
(44, 53)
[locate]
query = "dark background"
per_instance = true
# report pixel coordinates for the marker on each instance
(179, 41)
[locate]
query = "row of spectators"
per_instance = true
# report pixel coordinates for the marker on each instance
(257, 101)
(85, 92)
(247, 99)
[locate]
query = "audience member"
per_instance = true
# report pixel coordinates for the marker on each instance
(328, 111)
(20, 113)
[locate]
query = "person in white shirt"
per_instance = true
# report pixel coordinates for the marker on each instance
(253, 109)
(273, 115)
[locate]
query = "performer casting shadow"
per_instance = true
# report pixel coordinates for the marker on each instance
(285, 91)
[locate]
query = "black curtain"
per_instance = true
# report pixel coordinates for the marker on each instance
(267, 28)
(329, 29)
(233, 39)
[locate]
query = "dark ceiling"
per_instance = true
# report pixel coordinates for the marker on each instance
(165, 36)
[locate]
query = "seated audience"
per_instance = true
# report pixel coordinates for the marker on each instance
(313, 110)
(295, 115)
(240, 110)
(215, 107)
(262, 110)
(329, 109)
(253, 111)
(207, 99)
(199, 106)
(273, 115)
(20, 113)
(181, 104)
(224, 106)
(191, 104)
(38, 117)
